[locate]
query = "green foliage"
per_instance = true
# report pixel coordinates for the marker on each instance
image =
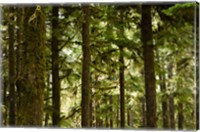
(111, 27)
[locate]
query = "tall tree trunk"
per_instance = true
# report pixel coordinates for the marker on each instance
(129, 117)
(122, 89)
(85, 104)
(32, 82)
(5, 101)
(55, 68)
(11, 68)
(162, 78)
(197, 69)
(171, 112)
(18, 55)
(171, 100)
(164, 102)
(105, 98)
(111, 110)
(180, 116)
(97, 114)
(91, 113)
(46, 122)
(150, 88)
(118, 113)
(143, 112)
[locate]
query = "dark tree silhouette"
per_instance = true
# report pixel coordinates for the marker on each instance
(150, 88)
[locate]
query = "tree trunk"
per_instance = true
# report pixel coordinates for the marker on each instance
(18, 56)
(164, 102)
(91, 113)
(129, 117)
(5, 101)
(171, 100)
(118, 113)
(180, 116)
(111, 111)
(197, 70)
(85, 104)
(32, 82)
(55, 68)
(46, 122)
(11, 68)
(97, 114)
(105, 98)
(143, 113)
(171, 112)
(150, 88)
(121, 83)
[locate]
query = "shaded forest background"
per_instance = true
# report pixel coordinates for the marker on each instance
(100, 66)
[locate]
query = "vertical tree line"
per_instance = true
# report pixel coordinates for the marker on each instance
(102, 66)
(55, 68)
(86, 90)
(11, 69)
(150, 88)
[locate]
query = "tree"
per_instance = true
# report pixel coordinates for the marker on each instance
(55, 68)
(121, 76)
(163, 88)
(121, 82)
(197, 68)
(97, 59)
(31, 84)
(11, 69)
(180, 116)
(18, 54)
(150, 88)
(85, 104)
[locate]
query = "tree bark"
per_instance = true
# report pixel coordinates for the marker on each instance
(143, 113)
(129, 117)
(19, 58)
(32, 83)
(91, 113)
(5, 101)
(106, 120)
(46, 122)
(11, 68)
(85, 104)
(55, 68)
(197, 70)
(171, 112)
(122, 89)
(164, 103)
(118, 112)
(150, 88)
(180, 116)
(97, 114)
(171, 101)
(111, 110)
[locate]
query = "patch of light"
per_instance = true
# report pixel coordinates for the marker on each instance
(67, 51)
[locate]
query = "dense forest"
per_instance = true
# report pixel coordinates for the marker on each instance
(98, 65)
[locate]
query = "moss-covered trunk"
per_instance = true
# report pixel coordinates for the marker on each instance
(31, 83)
